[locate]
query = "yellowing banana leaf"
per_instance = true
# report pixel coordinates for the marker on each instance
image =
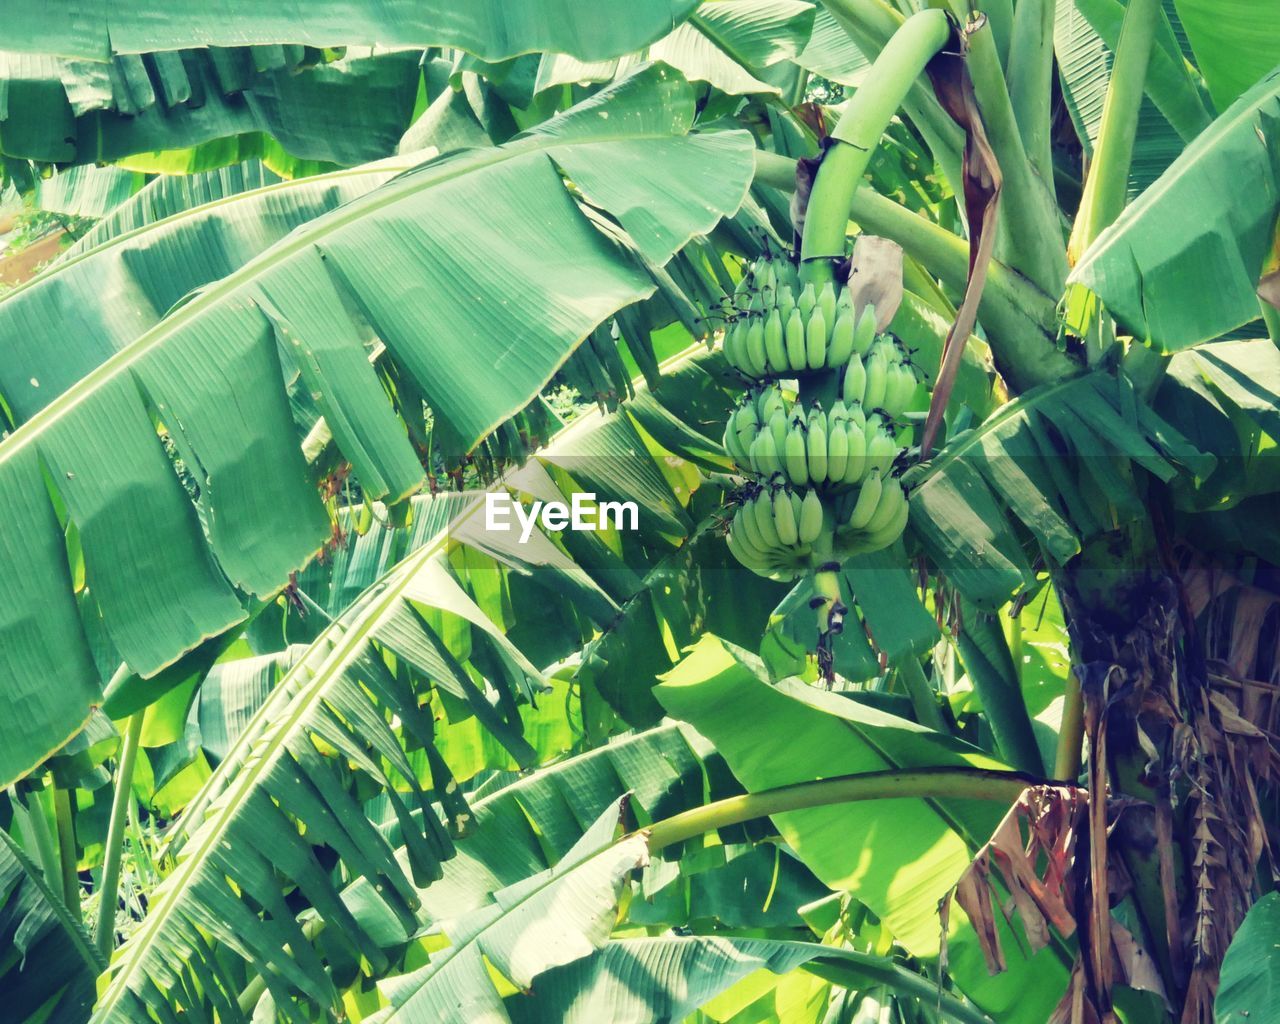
(1181, 264)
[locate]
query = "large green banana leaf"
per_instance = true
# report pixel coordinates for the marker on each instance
(1059, 459)
(81, 112)
(726, 45)
(1181, 265)
(542, 921)
(898, 857)
(166, 195)
(1234, 47)
(125, 276)
(491, 29)
(420, 619)
(478, 272)
(49, 964)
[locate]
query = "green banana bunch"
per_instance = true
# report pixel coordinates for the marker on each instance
(832, 450)
(882, 379)
(782, 332)
(774, 530)
(824, 484)
(872, 517)
(748, 421)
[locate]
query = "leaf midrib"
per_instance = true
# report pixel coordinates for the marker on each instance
(385, 196)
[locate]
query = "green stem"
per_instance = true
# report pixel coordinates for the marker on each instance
(1031, 81)
(38, 822)
(1031, 232)
(871, 24)
(921, 694)
(865, 119)
(1020, 320)
(67, 849)
(920, 783)
(852, 970)
(108, 897)
(1107, 186)
(1070, 754)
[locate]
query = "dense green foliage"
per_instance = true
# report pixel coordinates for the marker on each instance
(968, 717)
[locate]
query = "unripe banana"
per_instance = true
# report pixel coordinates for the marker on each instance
(774, 350)
(768, 402)
(748, 556)
(810, 525)
(857, 415)
(731, 442)
(837, 448)
(815, 341)
(854, 386)
(778, 430)
(795, 455)
(817, 447)
(898, 392)
(891, 498)
(868, 501)
(733, 344)
(784, 517)
(762, 511)
(855, 465)
(840, 347)
(877, 367)
(808, 299)
(891, 531)
(881, 451)
(795, 334)
(755, 355)
(746, 426)
(865, 331)
(763, 456)
(827, 302)
(756, 302)
(745, 525)
(786, 301)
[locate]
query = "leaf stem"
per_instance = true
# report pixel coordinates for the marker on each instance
(67, 849)
(1031, 81)
(1106, 189)
(106, 929)
(895, 784)
(921, 695)
(1070, 754)
(855, 138)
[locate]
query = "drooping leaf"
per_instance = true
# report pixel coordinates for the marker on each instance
(414, 255)
(50, 963)
(898, 857)
(490, 29)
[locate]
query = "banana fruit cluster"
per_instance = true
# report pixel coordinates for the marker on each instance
(774, 531)
(881, 380)
(871, 518)
(831, 450)
(822, 464)
(783, 333)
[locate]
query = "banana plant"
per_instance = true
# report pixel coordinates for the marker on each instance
(1098, 409)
